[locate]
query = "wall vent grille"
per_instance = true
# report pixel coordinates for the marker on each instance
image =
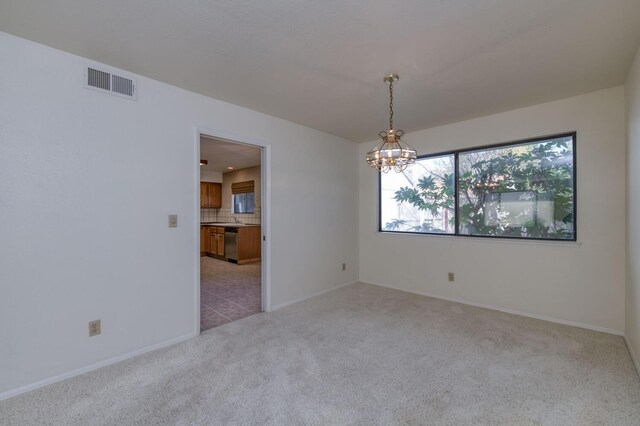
(108, 82)
(99, 79)
(122, 85)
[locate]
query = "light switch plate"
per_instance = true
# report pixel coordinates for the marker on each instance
(173, 221)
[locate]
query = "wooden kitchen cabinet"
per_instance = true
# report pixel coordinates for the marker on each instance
(249, 244)
(205, 241)
(204, 195)
(215, 195)
(221, 244)
(213, 242)
(210, 195)
(216, 241)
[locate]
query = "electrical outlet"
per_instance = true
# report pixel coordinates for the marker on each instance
(344, 266)
(173, 221)
(452, 277)
(94, 328)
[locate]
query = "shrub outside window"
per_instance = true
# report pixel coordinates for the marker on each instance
(422, 198)
(522, 189)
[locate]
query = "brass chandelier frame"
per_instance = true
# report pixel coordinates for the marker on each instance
(392, 152)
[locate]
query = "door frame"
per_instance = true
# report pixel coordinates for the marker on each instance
(265, 211)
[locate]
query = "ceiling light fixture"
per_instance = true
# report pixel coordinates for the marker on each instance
(203, 162)
(393, 152)
(230, 168)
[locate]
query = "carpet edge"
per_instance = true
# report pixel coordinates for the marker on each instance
(91, 367)
(302, 299)
(505, 310)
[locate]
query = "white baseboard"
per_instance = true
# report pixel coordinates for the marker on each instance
(634, 358)
(508, 311)
(282, 305)
(73, 373)
(77, 372)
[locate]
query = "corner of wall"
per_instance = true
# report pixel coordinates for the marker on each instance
(632, 268)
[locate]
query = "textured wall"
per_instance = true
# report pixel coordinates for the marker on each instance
(579, 283)
(632, 297)
(84, 212)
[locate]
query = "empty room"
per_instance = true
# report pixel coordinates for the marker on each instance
(319, 213)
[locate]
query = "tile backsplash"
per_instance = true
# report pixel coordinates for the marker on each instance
(225, 215)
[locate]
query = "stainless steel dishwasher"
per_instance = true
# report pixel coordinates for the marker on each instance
(231, 243)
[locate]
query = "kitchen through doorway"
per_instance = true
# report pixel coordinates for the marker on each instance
(231, 178)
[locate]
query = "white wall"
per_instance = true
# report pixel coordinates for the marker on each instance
(84, 212)
(578, 283)
(632, 295)
(207, 176)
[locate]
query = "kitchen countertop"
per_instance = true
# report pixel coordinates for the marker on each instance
(230, 224)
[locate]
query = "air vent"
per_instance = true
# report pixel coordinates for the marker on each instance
(108, 82)
(122, 85)
(99, 79)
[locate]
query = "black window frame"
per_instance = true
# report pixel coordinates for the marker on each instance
(456, 153)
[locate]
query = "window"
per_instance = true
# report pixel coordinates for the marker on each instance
(420, 199)
(243, 197)
(243, 203)
(518, 190)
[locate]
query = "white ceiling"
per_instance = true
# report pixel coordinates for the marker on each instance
(221, 154)
(321, 63)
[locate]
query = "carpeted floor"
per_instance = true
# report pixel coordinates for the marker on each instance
(359, 355)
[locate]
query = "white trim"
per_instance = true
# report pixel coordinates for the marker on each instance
(474, 239)
(302, 299)
(508, 311)
(88, 368)
(265, 223)
(265, 209)
(634, 358)
(197, 213)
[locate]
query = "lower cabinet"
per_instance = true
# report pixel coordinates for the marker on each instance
(216, 241)
(205, 243)
(220, 238)
(211, 241)
(249, 243)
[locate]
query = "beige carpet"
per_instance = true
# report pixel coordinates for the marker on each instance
(359, 355)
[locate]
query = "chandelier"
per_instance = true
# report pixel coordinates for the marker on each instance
(393, 152)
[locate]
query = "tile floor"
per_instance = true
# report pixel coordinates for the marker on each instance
(228, 291)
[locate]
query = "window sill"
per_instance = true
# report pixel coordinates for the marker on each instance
(490, 240)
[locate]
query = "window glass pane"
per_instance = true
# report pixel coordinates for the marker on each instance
(237, 206)
(420, 199)
(250, 204)
(243, 203)
(521, 190)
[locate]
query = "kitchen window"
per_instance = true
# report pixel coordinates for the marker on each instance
(243, 197)
(243, 203)
(523, 189)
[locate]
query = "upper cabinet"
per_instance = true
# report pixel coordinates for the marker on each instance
(215, 195)
(204, 195)
(210, 195)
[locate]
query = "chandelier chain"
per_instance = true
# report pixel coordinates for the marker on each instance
(391, 104)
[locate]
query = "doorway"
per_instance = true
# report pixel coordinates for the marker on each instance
(232, 261)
